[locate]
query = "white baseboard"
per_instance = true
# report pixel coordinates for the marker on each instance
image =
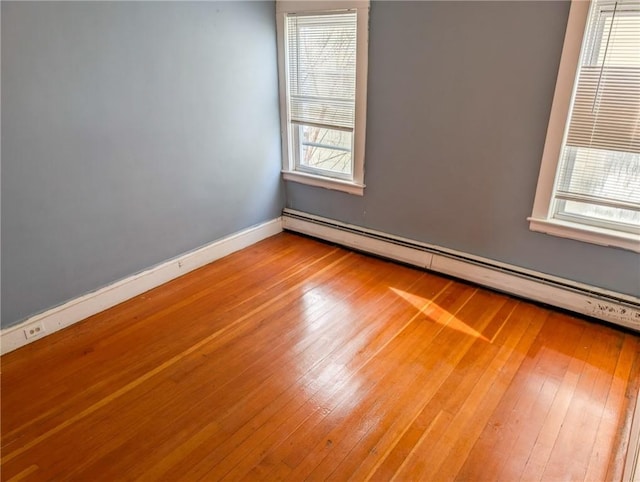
(84, 306)
(617, 308)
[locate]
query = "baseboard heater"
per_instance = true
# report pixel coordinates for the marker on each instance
(609, 306)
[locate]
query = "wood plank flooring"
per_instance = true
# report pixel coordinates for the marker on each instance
(294, 359)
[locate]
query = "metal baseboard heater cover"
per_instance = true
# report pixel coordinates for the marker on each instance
(609, 306)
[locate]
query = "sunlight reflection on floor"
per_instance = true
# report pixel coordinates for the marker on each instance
(438, 315)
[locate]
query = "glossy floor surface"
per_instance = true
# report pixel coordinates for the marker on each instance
(295, 359)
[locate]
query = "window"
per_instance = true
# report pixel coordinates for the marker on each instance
(322, 54)
(589, 184)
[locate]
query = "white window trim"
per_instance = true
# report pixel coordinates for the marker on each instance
(540, 220)
(289, 173)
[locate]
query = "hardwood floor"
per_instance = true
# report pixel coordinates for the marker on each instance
(294, 359)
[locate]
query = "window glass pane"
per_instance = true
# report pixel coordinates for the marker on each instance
(613, 175)
(608, 178)
(602, 213)
(326, 149)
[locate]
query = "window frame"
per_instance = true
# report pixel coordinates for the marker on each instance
(288, 131)
(541, 219)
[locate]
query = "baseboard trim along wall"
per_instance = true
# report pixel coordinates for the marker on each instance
(87, 305)
(609, 306)
(616, 308)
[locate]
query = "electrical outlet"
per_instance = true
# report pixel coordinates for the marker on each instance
(34, 330)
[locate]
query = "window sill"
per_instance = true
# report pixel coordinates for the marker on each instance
(325, 182)
(588, 234)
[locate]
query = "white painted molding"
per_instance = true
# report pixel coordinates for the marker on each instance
(324, 181)
(87, 305)
(560, 107)
(588, 234)
(617, 308)
(632, 461)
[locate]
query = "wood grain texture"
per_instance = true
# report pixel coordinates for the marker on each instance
(297, 360)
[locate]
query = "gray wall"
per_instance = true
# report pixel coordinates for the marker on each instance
(134, 132)
(131, 133)
(458, 104)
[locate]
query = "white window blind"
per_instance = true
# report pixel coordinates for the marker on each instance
(598, 181)
(322, 69)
